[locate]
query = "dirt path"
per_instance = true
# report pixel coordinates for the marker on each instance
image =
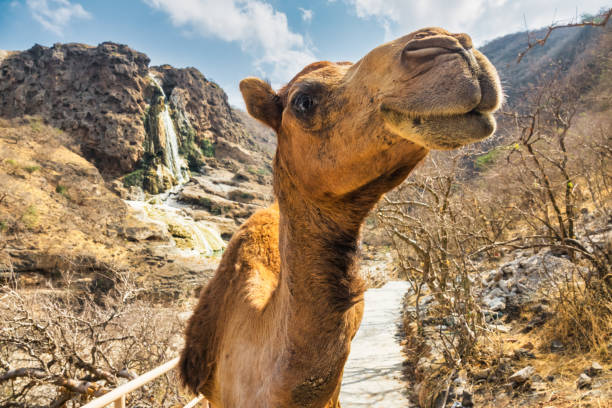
(372, 375)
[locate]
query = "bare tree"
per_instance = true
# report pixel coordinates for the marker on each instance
(550, 164)
(59, 348)
(440, 230)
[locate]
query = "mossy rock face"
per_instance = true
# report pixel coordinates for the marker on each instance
(154, 184)
(134, 178)
(183, 243)
(208, 148)
(195, 158)
(189, 148)
(179, 232)
(151, 183)
(153, 143)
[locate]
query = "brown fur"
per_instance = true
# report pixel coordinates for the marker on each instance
(273, 327)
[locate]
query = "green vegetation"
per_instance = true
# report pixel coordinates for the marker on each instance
(134, 178)
(31, 169)
(36, 125)
(15, 164)
(208, 149)
(30, 217)
(193, 151)
(258, 171)
(485, 161)
(3, 226)
(60, 189)
(241, 196)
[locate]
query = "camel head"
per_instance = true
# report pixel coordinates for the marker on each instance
(342, 126)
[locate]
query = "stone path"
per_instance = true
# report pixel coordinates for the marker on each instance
(372, 375)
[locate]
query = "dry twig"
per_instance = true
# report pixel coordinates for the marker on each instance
(531, 43)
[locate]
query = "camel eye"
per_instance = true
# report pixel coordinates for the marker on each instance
(303, 103)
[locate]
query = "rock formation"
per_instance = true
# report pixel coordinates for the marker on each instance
(119, 111)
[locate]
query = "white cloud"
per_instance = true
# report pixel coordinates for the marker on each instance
(306, 14)
(55, 15)
(261, 31)
(482, 19)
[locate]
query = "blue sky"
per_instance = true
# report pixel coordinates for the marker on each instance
(230, 39)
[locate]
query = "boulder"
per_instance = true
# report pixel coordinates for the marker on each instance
(145, 231)
(102, 97)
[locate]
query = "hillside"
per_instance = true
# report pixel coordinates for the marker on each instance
(579, 53)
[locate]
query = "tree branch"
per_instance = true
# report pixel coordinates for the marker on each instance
(605, 16)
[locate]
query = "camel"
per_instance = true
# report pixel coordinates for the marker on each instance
(273, 327)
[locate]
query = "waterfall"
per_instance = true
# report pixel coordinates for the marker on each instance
(190, 237)
(172, 159)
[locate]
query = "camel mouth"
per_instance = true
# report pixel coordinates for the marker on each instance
(439, 131)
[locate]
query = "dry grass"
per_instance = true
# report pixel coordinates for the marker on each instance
(556, 373)
(583, 317)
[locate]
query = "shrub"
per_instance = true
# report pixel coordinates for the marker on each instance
(485, 160)
(60, 189)
(36, 125)
(31, 169)
(134, 178)
(208, 149)
(77, 348)
(30, 217)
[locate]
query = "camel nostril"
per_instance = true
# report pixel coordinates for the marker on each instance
(465, 40)
(450, 44)
(428, 52)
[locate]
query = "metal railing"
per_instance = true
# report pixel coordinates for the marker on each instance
(117, 396)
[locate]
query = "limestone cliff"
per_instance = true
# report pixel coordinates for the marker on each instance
(121, 113)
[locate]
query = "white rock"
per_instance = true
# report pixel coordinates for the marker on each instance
(522, 375)
(495, 304)
(505, 285)
(584, 381)
(500, 328)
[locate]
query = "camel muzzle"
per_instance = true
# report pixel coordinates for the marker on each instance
(421, 49)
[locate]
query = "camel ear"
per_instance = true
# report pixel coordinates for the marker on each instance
(262, 102)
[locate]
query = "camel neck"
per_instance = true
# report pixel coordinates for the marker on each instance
(319, 257)
(319, 250)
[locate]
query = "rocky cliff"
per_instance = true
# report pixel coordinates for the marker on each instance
(83, 127)
(126, 116)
